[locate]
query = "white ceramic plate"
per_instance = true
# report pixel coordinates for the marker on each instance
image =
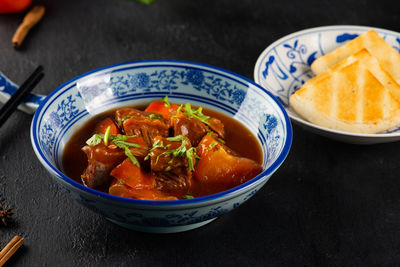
(284, 66)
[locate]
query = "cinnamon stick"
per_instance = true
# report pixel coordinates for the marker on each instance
(10, 249)
(30, 20)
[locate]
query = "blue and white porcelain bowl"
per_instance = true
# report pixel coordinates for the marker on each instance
(72, 104)
(284, 66)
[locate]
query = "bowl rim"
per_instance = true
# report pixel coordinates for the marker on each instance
(299, 119)
(227, 193)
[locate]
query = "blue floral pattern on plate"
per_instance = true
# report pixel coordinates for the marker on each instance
(284, 66)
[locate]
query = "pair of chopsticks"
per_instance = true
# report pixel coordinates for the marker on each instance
(10, 106)
(10, 249)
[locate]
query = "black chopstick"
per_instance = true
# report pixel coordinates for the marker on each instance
(19, 95)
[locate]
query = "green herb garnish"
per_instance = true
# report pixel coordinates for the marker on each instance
(129, 154)
(121, 121)
(198, 114)
(166, 102)
(158, 144)
(189, 156)
(179, 109)
(118, 140)
(213, 143)
(177, 138)
(168, 168)
(155, 116)
(95, 140)
(188, 195)
(181, 151)
(178, 152)
(150, 154)
(121, 144)
(106, 135)
(221, 141)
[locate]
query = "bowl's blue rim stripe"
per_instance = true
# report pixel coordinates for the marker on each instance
(227, 193)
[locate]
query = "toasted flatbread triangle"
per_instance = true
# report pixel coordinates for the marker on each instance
(372, 64)
(387, 56)
(348, 98)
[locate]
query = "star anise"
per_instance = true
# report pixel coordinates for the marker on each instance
(5, 214)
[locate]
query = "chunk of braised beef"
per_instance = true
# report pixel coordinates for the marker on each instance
(171, 183)
(140, 123)
(102, 159)
(168, 160)
(217, 126)
(165, 156)
(192, 128)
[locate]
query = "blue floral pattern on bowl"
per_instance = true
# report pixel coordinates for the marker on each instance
(284, 66)
(73, 103)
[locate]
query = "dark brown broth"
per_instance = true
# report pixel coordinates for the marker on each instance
(238, 138)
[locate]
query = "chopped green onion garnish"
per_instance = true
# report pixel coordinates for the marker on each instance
(121, 144)
(177, 138)
(166, 102)
(121, 121)
(106, 135)
(179, 109)
(168, 168)
(188, 195)
(129, 154)
(198, 114)
(212, 145)
(155, 116)
(94, 140)
(188, 110)
(221, 141)
(189, 156)
(118, 140)
(149, 155)
(158, 144)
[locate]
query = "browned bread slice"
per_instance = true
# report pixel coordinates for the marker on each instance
(372, 64)
(350, 98)
(386, 55)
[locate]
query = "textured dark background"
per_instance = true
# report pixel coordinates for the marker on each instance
(330, 204)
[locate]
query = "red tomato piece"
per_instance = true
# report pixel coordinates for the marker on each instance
(102, 126)
(122, 190)
(217, 168)
(159, 107)
(205, 144)
(133, 176)
(13, 6)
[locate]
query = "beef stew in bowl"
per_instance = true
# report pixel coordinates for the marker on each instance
(71, 107)
(163, 151)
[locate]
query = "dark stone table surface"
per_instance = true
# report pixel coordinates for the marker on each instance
(330, 203)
